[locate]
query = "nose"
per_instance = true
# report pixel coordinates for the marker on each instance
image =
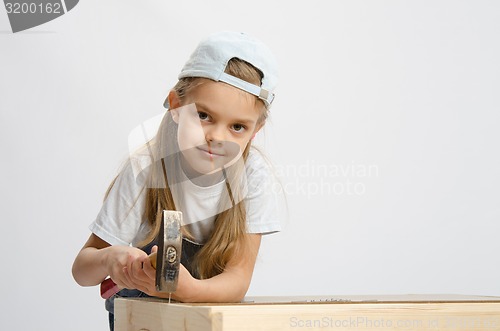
(215, 134)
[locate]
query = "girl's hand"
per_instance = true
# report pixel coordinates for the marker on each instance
(125, 267)
(186, 284)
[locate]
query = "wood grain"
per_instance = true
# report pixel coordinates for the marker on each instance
(424, 312)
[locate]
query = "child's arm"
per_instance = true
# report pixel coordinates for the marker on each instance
(229, 286)
(97, 259)
(129, 267)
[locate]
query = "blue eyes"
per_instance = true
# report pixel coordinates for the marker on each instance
(238, 128)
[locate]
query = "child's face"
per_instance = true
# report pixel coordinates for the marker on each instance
(215, 125)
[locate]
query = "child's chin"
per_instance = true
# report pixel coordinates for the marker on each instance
(208, 168)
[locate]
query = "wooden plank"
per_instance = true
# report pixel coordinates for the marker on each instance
(373, 298)
(137, 314)
(369, 313)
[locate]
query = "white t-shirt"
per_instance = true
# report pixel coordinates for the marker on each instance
(120, 220)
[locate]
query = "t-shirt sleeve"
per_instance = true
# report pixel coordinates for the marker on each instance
(120, 218)
(262, 200)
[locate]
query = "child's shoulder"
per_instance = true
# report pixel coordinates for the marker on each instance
(257, 163)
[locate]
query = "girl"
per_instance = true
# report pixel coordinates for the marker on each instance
(201, 163)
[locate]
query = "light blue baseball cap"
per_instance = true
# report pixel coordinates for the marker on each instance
(210, 58)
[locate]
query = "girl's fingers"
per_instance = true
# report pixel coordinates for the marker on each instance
(127, 279)
(136, 271)
(119, 277)
(137, 274)
(136, 268)
(128, 272)
(148, 270)
(139, 267)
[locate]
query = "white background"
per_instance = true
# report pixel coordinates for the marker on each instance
(408, 89)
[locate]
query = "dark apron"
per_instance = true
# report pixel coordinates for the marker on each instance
(189, 250)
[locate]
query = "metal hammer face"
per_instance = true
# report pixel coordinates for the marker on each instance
(169, 251)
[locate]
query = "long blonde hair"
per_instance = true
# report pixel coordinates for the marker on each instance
(229, 236)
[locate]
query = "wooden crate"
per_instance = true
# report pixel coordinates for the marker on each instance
(400, 312)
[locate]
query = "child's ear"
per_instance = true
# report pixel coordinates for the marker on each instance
(173, 100)
(173, 103)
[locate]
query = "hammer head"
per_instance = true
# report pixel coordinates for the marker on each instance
(169, 251)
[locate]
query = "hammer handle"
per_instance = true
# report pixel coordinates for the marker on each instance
(108, 286)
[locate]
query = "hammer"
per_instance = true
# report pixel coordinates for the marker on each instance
(166, 260)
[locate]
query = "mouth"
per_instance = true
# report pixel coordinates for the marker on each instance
(211, 152)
